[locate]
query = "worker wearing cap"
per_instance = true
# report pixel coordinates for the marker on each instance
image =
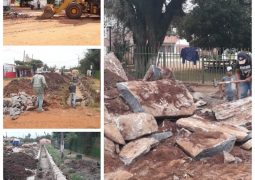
(39, 84)
(244, 72)
(230, 89)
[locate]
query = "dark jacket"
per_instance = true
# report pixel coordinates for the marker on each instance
(189, 54)
(72, 89)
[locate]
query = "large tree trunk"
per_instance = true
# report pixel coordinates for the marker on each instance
(149, 26)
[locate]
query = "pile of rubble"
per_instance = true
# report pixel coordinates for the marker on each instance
(14, 14)
(132, 130)
(19, 103)
(19, 95)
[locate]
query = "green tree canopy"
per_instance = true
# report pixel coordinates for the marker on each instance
(148, 20)
(92, 57)
(217, 24)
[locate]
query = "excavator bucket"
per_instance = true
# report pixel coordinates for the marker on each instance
(48, 12)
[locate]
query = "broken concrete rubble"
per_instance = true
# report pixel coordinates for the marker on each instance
(247, 145)
(112, 132)
(162, 98)
(113, 64)
(118, 175)
(236, 112)
(199, 124)
(18, 103)
(109, 146)
(135, 149)
(161, 136)
(206, 144)
(228, 158)
(135, 125)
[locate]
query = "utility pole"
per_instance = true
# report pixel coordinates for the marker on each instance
(62, 145)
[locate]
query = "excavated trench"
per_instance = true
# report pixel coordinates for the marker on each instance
(44, 170)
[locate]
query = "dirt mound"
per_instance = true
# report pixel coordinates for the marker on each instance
(15, 164)
(55, 95)
(113, 102)
(18, 85)
(54, 80)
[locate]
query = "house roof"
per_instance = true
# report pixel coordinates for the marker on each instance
(170, 39)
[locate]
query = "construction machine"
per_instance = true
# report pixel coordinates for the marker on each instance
(73, 8)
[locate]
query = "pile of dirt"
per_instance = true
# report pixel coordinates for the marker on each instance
(55, 94)
(113, 102)
(55, 81)
(15, 166)
(18, 85)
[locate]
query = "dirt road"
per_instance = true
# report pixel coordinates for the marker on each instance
(58, 30)
(81, 117)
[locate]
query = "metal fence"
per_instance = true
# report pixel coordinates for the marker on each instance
(210, 65)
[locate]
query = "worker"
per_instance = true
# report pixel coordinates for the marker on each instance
(72, 91)
(155, 73)
(230, 89)
(244, 72)
(39, 85)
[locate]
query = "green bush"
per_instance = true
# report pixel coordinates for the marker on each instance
(77, 177)
(56, 155)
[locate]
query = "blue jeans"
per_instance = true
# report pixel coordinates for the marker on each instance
(39, 101)
(244, 88)
(73, 99)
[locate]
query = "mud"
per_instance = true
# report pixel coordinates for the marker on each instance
(15, 164)
(113, 102)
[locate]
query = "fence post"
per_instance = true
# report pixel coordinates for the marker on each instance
(203, 71)
(164, 57)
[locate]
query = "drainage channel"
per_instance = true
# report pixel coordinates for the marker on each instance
(44, 170)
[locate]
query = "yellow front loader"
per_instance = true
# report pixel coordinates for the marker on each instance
(73, 8)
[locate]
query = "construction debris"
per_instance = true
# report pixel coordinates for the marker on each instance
(18, 104)
(118, 175)
(109, 146)
(247, 145)
(206, 144)
(164, 118)
(135, 125)
(112, 64)
(161, 136)
(135, 149)
(236, 112)
(196, 124)
(162, 98)
(228, 158)
(112, 132)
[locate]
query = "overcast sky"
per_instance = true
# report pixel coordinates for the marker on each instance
(23, 134)
(51, 55)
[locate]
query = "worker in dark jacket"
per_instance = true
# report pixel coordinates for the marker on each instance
(244, 72)
(72, 91)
